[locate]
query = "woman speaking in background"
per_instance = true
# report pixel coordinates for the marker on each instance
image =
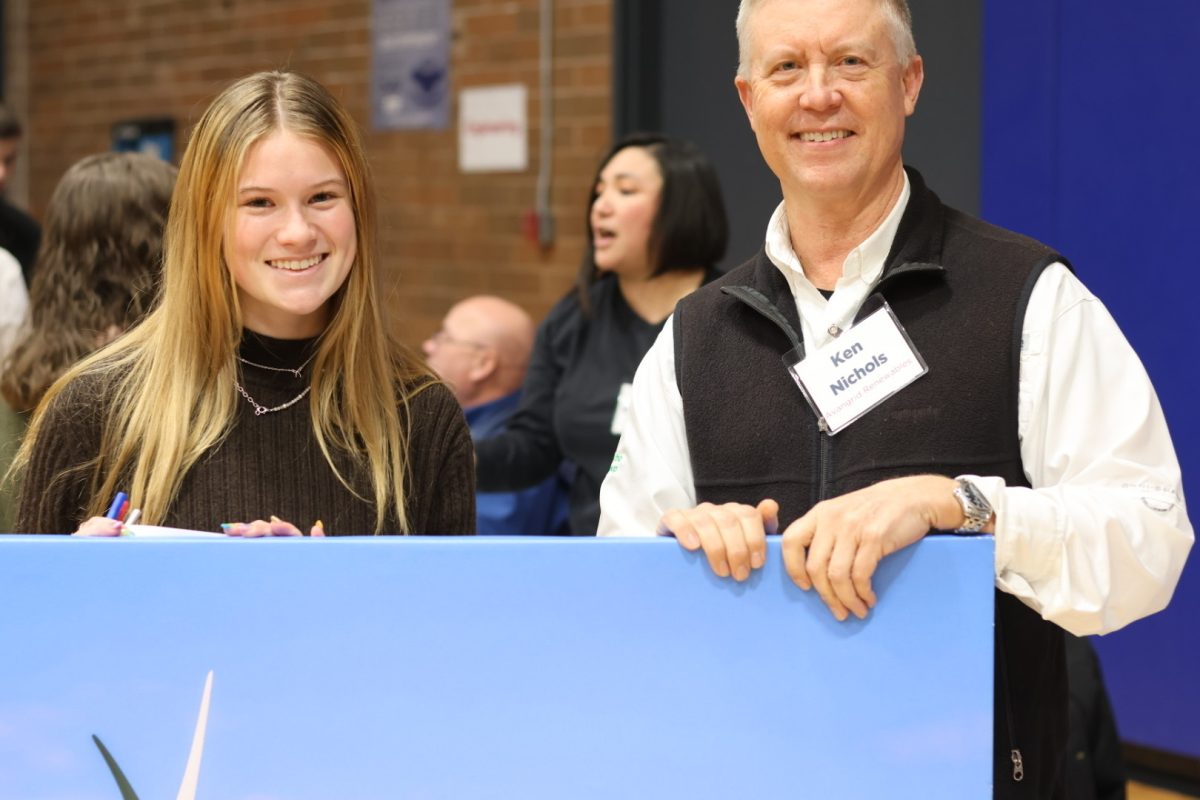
(656, 229)
(263, 385)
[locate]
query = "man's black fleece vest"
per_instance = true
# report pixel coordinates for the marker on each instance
(959, 287)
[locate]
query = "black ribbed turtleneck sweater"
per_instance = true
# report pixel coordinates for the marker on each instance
(270, 464)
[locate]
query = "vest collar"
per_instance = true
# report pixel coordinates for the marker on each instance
(917, 247)
(916, 251)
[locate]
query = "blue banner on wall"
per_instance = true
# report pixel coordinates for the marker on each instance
(155, 137)
(410, 64)
(1057, 166)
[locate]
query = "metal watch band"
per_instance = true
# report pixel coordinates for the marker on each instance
(977, 511)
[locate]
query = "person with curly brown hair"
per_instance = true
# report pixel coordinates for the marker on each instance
(96, 276)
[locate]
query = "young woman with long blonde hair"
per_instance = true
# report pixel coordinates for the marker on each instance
(264, 384)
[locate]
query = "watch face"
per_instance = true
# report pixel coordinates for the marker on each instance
(976, 509)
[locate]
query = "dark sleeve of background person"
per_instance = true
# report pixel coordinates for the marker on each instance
(1094, 768)
(527, 451)
(20, 235)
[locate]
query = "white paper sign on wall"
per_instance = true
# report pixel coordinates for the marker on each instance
(493, 129)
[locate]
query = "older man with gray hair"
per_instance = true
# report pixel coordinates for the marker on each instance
(887, 367)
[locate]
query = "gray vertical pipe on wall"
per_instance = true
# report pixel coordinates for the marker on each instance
(545, 219)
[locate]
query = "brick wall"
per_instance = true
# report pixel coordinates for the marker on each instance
(16, 88)
(444, 234)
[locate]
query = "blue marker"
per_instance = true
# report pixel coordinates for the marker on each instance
(115, 508)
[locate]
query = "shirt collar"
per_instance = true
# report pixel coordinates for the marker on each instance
(486, 417)
(864, 263)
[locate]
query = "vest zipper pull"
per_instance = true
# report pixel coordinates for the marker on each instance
(1018, 766)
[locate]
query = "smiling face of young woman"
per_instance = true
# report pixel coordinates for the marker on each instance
(627, 197)
(292, 237)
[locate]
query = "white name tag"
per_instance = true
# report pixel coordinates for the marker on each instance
(621, 412)
(859, 370)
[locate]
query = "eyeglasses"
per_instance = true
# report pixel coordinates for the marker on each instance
(442, 338)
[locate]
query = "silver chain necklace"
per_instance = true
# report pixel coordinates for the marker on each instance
(260, 409)
(295, 371)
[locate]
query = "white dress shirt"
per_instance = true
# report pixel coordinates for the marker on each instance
(1100, 539)
(14, 303)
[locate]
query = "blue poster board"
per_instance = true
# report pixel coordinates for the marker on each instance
(454, 669)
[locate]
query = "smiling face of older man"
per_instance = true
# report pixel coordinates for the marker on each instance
(827, 88)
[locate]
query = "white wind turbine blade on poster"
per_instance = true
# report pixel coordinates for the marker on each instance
(191, 773)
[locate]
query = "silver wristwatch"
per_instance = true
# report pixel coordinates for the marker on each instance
(977, 511)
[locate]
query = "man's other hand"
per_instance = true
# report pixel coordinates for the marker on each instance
(733, 535)
(837, 545)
